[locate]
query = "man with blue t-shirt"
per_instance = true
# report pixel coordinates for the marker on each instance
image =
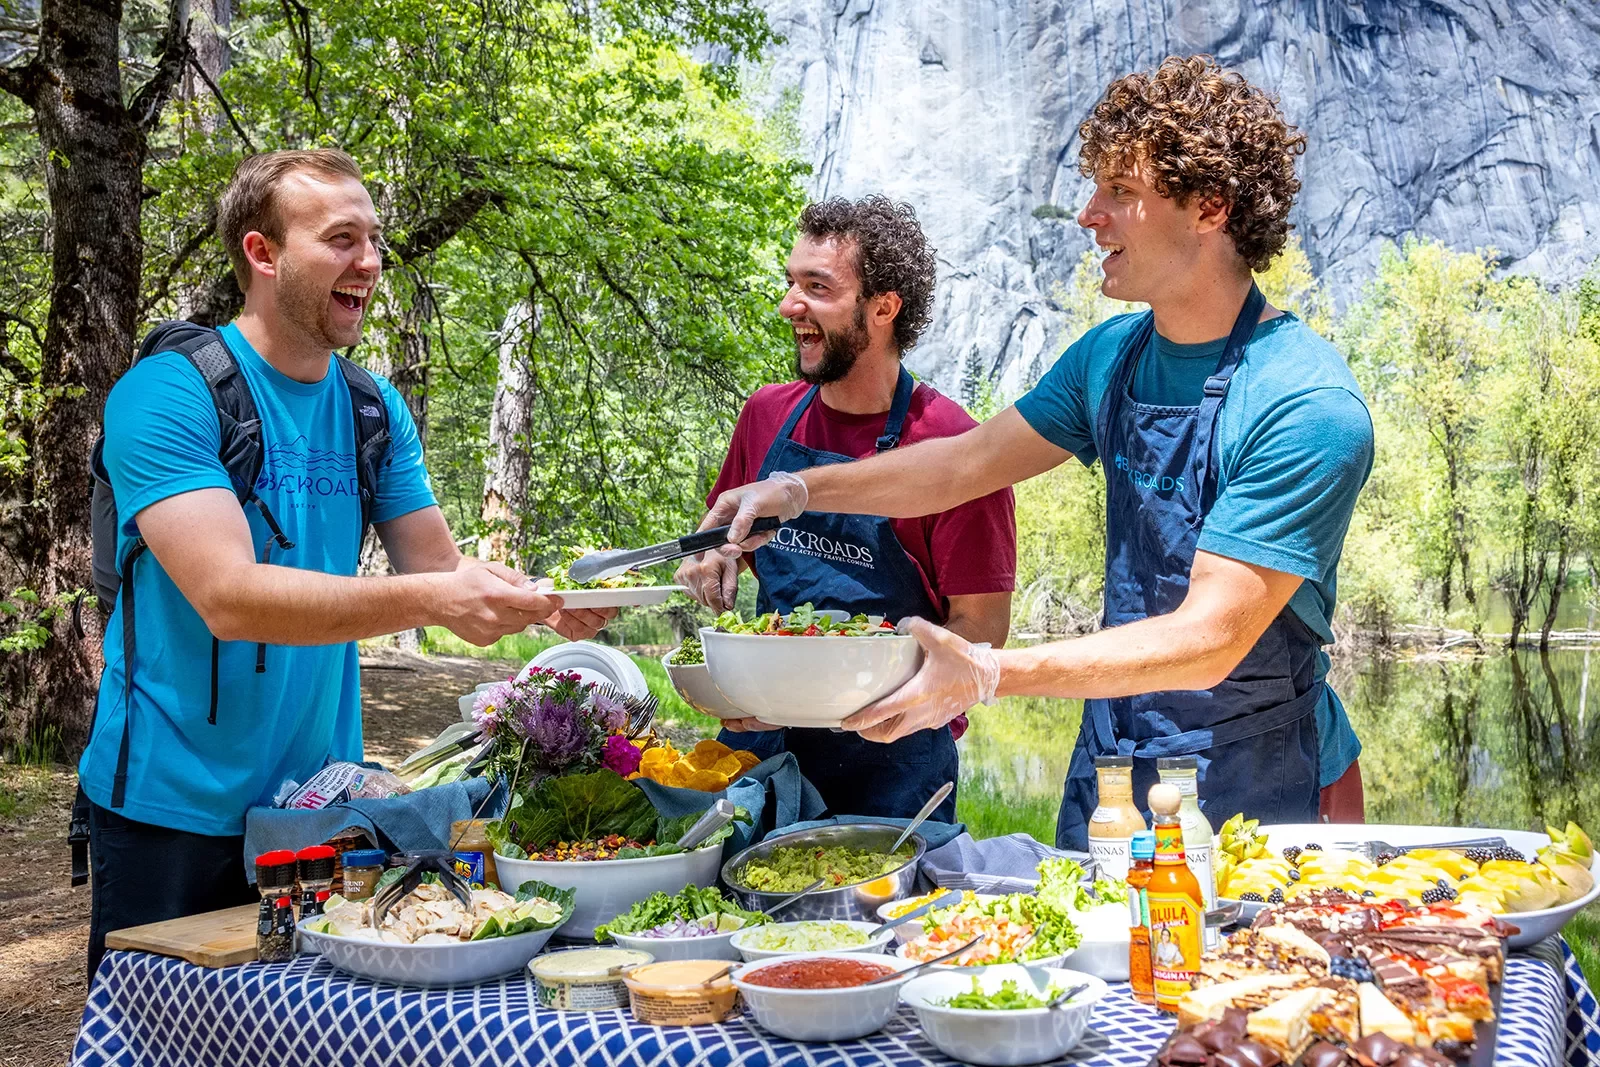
(1234, 442)
(245, 669)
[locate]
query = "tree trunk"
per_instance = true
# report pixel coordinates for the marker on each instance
(93, 145)
(1563, 563)
(510, 460)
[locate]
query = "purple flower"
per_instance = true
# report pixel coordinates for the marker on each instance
(620, 755)
(611, 712)
(489, 708)
(557, 730)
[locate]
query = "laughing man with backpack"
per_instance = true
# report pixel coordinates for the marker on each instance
(239, 471)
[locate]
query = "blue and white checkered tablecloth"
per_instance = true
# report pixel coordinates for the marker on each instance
(150, 1011)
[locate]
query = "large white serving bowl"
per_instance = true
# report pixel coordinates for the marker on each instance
(693, 683)
(1002, 1038)
(1103, 948)
(751, 954)
(710, 947)
(427, 965)
(1532, 926)
(608, 888)
(807, 681)
(822, 1014)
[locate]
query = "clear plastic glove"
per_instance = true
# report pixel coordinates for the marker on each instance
(744, 726)
(711, 578)
(783, 494)
(955, 675)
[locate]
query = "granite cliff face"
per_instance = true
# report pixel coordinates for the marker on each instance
(1476, 122)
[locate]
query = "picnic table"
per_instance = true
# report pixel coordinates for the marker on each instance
(151, 1011)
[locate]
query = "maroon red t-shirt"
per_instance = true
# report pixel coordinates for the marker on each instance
(969, 549)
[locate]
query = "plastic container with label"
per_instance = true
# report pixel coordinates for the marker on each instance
(585, 979)
(678, 993)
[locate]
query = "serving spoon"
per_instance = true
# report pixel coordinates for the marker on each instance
(952, 897)
(893, 975)
(786, 901)
(716, 817)
(921, 816)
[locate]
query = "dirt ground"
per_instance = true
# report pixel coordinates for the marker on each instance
(44, 923)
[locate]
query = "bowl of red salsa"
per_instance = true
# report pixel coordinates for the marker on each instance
(822, 997)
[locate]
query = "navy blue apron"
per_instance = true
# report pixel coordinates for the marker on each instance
(1255, 734)
(851, 563)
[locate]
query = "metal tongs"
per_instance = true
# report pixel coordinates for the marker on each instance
(613, 561)
(440, 863)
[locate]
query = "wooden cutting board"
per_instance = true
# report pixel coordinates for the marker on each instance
(212, 939)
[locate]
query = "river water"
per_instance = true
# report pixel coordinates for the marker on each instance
(1506, 740)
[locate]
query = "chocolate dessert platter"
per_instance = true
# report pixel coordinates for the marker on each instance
(1332, 979)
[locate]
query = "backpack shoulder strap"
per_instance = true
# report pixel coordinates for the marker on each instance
(372, 438)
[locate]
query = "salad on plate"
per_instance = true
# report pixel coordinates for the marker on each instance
(806, 621)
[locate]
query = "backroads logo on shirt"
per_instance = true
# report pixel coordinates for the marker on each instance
(810, 544)
(298, 470)
(1146, 482)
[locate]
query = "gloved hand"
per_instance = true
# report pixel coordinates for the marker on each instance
(711, 578)
(955, 675)
(783, 494)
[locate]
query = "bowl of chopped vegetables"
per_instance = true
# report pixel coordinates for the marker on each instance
(809, 935)
(687, 670)
(853, 859)
(998, 1018)
(910, 931)
(769, 670)
(696, 924)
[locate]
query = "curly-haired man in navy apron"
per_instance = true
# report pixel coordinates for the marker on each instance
(861, 283)
(1234, 442)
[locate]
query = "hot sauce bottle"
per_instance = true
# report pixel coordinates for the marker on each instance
(1177, 907)
(1140, 977)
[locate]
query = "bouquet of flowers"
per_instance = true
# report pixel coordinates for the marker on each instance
(552, 723)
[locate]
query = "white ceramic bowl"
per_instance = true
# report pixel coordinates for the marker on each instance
(1532, 926)
(751, 954)
(1103, 950)
(710, 947)
(807, 681)
(980, 968)
(1002, 1038)
(427, 965)
(693, 683)
(608, 888)
(914, 929)
(822, 1014)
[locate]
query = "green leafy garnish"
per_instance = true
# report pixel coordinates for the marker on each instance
(1009, 997)
(694, 902)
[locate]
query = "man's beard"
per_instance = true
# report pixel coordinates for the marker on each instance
(839, 352)
(304, 304)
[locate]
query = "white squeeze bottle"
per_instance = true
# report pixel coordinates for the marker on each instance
(1116, 817)
(1182, 771)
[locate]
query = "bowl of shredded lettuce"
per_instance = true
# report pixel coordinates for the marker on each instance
(807, 936)
(807, 668)
(998, 1017)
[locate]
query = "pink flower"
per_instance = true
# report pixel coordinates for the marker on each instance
(619, 755)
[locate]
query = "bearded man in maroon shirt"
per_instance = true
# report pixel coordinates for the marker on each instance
(861, 288)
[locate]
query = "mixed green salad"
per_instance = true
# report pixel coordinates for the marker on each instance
(694, 912)
(805, 621)
(571, 555)
(1009, 997)
(689, 653)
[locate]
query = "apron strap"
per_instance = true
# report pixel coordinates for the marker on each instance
(794, 416)
(1216, 391)
(1127, 359)
(903, 389)
(1194, 741)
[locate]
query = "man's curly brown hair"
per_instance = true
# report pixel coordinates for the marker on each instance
(1196, 130)
(892, 254)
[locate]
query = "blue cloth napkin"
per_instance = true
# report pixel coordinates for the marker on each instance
(411, 822)
(994, 865)
(774, 792)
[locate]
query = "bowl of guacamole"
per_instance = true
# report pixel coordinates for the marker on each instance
(853, 860)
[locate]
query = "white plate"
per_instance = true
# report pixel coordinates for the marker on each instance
(593, 662)
(641, 597)
(1534, 926)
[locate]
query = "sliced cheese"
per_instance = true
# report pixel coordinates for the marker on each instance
(1380, 1016)
(1294, 942)
(1210, 1002)
(1285, 1024)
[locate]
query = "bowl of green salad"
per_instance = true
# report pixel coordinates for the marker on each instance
(853, 860)
(807, 668)
(999, 1018)
(687, 670)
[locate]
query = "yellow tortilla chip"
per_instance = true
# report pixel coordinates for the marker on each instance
(747, 759)
(728, 766)
(678, 774)
(712, 745)
(706, 781)
(657, 757)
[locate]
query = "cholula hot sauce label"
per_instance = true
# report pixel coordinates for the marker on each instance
(1177, 922)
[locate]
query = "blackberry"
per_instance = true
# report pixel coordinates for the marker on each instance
(1368, 893)
(1254, 896)
(1444, 883)
(1506, 852)
(1276, 896)
(1292, 853)
(1294, 876)
(1437, 895)
(1384, 857)
(1313, 847)
(1479, 856)
(1349, 967)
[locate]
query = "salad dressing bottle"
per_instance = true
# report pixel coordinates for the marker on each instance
(1116, 818)
(1182, 771)
(1177, 909)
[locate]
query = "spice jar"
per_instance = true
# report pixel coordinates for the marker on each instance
(362, 869)
(474, 854)
(316, 878)
(275, 873)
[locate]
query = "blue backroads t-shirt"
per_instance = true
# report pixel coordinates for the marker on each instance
(1295, 446)
(162, 440)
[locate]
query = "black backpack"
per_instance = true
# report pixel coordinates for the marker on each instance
(241, 454)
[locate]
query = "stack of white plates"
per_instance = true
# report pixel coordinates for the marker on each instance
(590, 661)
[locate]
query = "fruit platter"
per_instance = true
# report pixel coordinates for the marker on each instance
(1536, 881)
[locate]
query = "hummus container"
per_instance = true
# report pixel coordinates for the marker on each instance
(585, 979)
(676, 993)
